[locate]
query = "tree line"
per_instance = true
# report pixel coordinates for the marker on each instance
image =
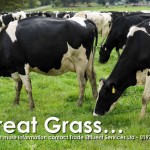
(13, 5)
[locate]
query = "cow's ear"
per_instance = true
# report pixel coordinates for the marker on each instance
(112, 87)
(113, 90)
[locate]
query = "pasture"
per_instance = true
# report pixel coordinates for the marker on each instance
(57, 96)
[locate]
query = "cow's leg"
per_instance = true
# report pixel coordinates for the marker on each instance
(27, 83)
(25, 77)
(18, 87)
(82, 84)
(80, 64)
(146, 95)
(92, 76)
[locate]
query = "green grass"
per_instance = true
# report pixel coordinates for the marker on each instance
(57, 96)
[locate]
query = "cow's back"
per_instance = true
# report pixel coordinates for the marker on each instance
(42, 42)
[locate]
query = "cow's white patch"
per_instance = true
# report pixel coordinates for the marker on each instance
(99, 88)
(27, 68)
(26, 82)
(134, 29)
(145, 11)
(123, 47)
(70, 59)
(94, 114)
(3, 25)
(11, 30)
(141, 77)
(19, 15)
(15, 76)
(147, 84)
(26, 79)
(56, 13)
(79, 20)
(146, 95)
(67, 16)
(100, 85)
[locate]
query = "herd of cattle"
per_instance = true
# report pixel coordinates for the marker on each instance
(52, 43)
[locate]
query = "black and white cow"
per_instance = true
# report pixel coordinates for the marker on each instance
(135, 58)
(39, 13)
(6, 19)
(48, 14)
(102, 20)
(50, 47)
(64, 14)
(118, 34)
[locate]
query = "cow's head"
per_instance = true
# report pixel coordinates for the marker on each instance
(107, 96)
(104, 54)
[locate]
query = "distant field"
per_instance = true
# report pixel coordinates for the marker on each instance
(57, 96)
(96, 7)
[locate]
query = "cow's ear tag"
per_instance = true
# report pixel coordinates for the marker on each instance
(105, 49)
(113, 90)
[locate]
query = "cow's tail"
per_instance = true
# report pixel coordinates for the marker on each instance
(94, 45)
(95, 35)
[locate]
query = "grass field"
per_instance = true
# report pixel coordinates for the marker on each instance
(57, 96)
(95, 7)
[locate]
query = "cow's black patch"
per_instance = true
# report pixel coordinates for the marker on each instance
(148, 73)
(7, 19)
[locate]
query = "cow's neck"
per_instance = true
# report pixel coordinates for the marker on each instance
(124, 74)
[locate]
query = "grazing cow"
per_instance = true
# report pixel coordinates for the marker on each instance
(58, 14)
(118, 34)
(69, 14)
(48, 14)
(102, 20)
(51, 47)
(31, 14)
(135, 58)
(6, 19)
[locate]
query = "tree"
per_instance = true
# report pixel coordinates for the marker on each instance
(11, 5)
(101, 2)
(45, 2)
